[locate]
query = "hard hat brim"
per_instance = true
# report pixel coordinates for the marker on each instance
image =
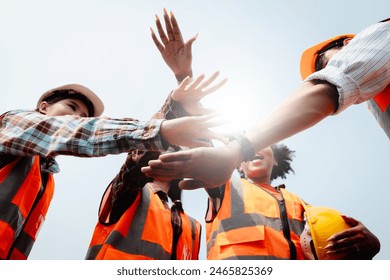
(89, 94)
(309, 56)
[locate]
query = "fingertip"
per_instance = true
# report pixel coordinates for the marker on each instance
(145, 169)
(185, 81)
(330, 239)
(328, 247)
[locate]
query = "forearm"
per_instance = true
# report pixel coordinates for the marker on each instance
(307, 106)
(171, 110)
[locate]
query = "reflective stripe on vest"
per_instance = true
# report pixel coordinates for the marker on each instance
(243, 230)
(21, 210)
(380, 108)
(144, 232)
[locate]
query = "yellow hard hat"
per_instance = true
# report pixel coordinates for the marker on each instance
(321, 223)
(309, 56)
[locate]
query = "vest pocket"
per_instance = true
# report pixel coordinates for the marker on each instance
(240, 241)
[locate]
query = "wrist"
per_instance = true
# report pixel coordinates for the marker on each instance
(243, 147)
(163, 134)
(181, 76)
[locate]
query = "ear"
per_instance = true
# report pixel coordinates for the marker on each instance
(42, 108)
(346, 41)
(275, 162)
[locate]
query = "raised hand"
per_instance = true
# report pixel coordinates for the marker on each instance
(176, 54)
(191, 92)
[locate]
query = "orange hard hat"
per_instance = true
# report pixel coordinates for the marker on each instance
(309, 56)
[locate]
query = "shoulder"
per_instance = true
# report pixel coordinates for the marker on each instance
(375, 32)
(18, 112)
(18, 116)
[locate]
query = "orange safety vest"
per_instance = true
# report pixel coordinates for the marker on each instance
(253, 223)
(24, 201)
(380, 108)
(144, 232)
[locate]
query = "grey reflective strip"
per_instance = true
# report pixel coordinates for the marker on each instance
(236, 197)
(24, 243)
(93, 251)
(296, 226)
(10, 185)
(250, 220)
(383, 118)
(9, 212)
(133, 243)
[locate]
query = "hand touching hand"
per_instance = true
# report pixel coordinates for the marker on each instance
(176, 54)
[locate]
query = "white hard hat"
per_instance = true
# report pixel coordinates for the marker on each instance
(98, 106)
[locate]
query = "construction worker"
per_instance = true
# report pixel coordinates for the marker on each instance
(67, 122)
(135, 218)
(143, 219)
(250, 219)
(355, 70)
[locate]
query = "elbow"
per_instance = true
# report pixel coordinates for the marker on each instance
(324, 96)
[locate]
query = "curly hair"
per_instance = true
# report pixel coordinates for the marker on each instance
(283, 156)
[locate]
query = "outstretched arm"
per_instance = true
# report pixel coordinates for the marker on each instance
(312, 102)
(307, 106)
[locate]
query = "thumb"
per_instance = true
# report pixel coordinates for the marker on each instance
(190, 42)
(191, 184)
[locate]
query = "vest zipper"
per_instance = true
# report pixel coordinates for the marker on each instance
(286, 227)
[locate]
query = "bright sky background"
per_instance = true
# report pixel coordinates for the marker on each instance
(106, 46)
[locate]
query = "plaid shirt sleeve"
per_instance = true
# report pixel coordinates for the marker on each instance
(28, 133)
(170, 110)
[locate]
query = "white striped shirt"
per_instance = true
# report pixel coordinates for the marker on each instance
(361, 69)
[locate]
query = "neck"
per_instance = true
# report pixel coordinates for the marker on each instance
(259, 181)
(162, 185)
